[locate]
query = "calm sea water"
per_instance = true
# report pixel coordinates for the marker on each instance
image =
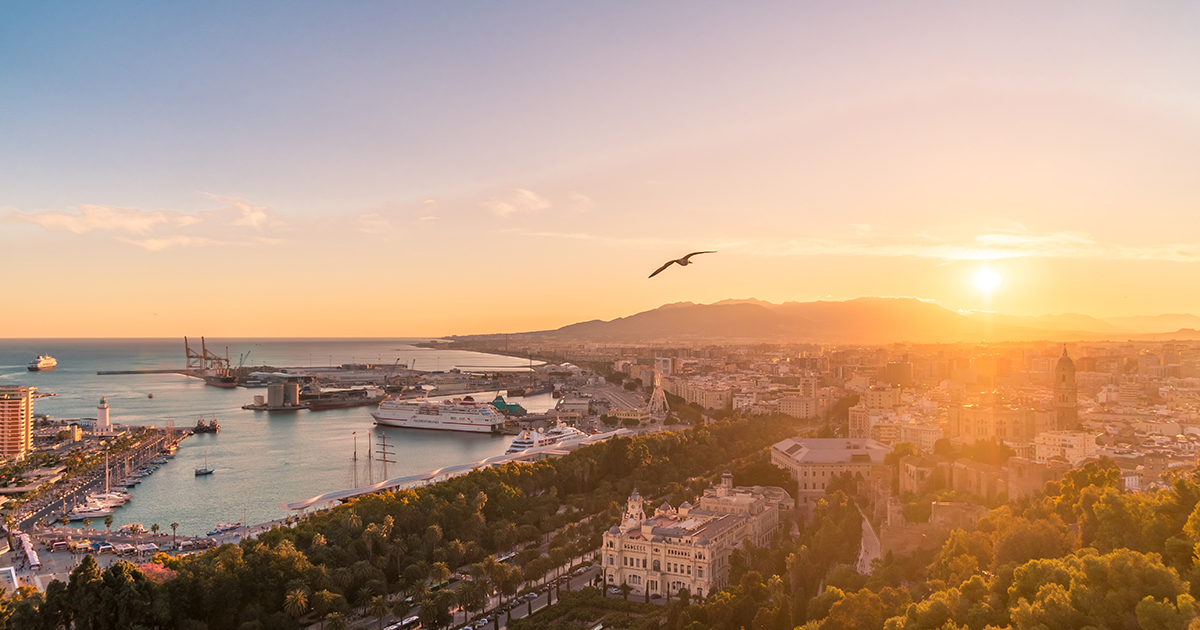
(261, 460)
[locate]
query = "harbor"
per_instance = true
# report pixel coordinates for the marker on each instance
(259, 460)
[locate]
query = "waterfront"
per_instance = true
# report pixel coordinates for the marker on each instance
(261, 460)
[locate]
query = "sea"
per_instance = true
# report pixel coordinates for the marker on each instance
(261, 460)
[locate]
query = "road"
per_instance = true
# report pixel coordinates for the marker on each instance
(75, 490)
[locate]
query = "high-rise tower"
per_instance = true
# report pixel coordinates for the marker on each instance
(16, 421)
(1065, 393)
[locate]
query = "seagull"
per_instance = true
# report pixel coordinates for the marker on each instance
(682, 262)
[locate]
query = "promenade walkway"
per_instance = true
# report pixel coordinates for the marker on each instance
(444, 473)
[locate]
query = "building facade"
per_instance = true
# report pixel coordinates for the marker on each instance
(16, 422)
(815, 462)
(689, 547)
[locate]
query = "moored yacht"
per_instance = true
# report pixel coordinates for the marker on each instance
(560, 433)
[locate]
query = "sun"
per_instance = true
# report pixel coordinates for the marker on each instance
(987, 280)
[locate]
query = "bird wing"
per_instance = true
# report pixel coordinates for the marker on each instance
(660, 269)
(695, 254)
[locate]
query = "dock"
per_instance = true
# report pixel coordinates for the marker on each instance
(168, 371)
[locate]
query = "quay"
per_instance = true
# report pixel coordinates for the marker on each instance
(446, 472)
(48, 507)
(173, 371)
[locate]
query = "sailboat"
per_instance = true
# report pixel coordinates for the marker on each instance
(206, 470)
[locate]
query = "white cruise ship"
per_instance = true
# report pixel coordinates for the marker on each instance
(460, 414)
(43, 362)
(558, 434)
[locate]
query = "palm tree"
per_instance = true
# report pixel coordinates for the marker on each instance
(379, 609)
(353, 520)
(108, 520)
(154, 529)
(64, 519)
(87, 522)
(295, 604)
(300, 585)
(321, 601)
(336, 621)
(174, 527)
(439, 572)
(363, 597)
(9, 520)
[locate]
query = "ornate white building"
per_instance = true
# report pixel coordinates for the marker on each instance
(689, 547)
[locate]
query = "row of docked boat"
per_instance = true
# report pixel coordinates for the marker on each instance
(99, 505)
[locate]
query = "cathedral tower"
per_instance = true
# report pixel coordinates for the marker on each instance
(1065, 393)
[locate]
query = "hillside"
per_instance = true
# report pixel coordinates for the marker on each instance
(868, 320)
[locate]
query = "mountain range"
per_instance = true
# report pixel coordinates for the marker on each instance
(867, 320)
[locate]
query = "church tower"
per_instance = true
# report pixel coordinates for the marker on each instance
(634, 513)
(1065, 393)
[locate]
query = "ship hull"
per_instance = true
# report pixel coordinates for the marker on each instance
(462, 427)
(321, 405)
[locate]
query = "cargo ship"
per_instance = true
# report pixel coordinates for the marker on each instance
(342, 398)
(460, 414)
(221, 378)
(43, 362)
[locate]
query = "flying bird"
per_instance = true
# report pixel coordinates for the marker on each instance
(682, 262)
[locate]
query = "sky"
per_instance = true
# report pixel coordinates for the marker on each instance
(408, 169)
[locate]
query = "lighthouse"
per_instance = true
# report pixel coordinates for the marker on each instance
(102, 423)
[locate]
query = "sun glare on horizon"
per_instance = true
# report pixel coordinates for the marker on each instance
(987, 280)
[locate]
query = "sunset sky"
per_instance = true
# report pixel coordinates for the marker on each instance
(404, 169)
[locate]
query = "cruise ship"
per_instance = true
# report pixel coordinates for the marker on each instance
(460, 414)
(43, 362)
(558, 434)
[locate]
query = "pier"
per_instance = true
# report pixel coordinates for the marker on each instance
(171, 371)
(442, 474)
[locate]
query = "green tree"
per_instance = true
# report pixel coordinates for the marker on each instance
(295, 604)
(379, 609)
(334, 621)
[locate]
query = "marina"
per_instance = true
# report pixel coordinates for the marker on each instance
(260, 460)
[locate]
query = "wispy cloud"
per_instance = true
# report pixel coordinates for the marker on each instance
(156, 230)
(90, 218)
(159, 244)
(514, 201)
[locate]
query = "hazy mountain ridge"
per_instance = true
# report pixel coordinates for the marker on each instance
(869, 320)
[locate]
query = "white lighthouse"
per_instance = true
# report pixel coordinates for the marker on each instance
(102, 423)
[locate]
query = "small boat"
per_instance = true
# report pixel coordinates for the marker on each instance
(200, 472)
(149, 395)
(223, 528)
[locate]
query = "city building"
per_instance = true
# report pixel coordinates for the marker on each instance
(798, 407)
(1073, 446)
(689, 547)
(16, 421)
(974, 422)
(640, 414)
(815, 462)
(769, 505)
